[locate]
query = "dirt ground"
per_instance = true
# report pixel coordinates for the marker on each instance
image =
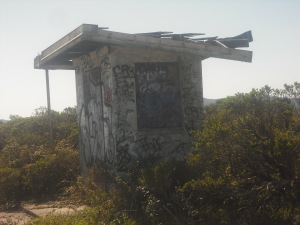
(28, 211)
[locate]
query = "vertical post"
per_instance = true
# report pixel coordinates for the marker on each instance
(49, 105)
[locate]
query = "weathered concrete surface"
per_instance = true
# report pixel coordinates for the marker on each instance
(136, 104)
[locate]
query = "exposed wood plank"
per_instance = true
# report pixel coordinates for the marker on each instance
(220, 43)
(183, 35)
(205, 38)
(155, 34)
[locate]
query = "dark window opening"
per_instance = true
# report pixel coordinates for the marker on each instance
(158, 95)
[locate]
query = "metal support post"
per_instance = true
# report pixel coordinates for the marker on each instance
(49, 106)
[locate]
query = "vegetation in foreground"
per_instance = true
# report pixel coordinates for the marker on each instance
(32, 166)
(244, 169)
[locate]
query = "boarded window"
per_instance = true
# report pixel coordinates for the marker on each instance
(158, 95)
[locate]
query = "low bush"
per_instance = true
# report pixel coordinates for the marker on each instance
(48, 176)
(10, 185)
(33, 167)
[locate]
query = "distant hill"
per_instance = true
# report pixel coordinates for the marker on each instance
(3, 121)
(208, 101)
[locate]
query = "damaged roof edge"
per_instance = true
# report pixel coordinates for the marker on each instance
(63, 44)
(88, 32)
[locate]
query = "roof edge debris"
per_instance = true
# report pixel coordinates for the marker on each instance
(88, 37)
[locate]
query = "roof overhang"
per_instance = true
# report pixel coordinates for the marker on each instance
(87, 38)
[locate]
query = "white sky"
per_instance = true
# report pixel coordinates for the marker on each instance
(28, 27)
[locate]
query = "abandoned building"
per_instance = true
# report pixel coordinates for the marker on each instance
(138, 95)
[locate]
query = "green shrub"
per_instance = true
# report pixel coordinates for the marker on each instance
(251, 142)
(10, 185)
(30, 163)
(56, 170)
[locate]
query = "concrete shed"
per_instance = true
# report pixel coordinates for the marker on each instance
(138, 95)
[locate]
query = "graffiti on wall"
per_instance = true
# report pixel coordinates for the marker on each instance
(107, 98)
(158, 95)
(118, 101)
(156, 88)
(86, 62)
(91, 124)
(125, 113)
(158, 147)
(95, 120)
(192, 95)
(124, 75)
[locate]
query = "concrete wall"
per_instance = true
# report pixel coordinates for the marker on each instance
(135, 104)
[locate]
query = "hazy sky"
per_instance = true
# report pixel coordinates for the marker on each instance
(28, 27)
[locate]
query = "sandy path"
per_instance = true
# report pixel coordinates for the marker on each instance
(30, 211)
